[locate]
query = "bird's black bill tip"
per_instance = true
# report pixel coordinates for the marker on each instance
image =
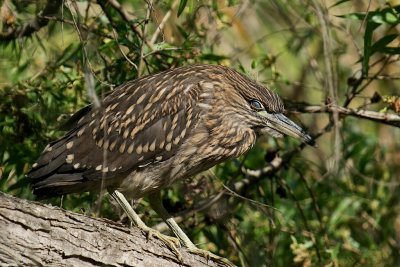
(280, 124)
(309, 140)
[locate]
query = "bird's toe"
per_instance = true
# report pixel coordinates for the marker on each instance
(210, 256)
(171, 242)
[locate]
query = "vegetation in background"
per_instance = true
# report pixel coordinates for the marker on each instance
(336, 64)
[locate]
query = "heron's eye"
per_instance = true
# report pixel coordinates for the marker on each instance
(256, 105)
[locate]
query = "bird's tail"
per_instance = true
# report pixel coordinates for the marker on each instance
(51, 175)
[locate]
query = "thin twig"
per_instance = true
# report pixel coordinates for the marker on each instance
(87, 61)
(164, 49)
(122, 52)
(162, 23)
(203, 205)
(148, 14)
(331, 77)
(257, 203)
(381, 117)
(82, 26)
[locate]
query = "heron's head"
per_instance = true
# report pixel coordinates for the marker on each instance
(263, 109)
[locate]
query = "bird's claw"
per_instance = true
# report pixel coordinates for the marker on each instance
(171, 242)
(208, 255)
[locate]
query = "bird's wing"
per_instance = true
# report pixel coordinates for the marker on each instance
(141, 122)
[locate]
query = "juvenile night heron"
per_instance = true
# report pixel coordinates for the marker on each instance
(152, 131)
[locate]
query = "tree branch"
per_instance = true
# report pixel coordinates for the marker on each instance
(34, 234)
(34, 25)
(382, 117)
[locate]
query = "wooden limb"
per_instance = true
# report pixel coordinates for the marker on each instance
(34, 234)
(381, 117)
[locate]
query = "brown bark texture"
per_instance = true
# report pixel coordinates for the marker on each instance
(35, 234)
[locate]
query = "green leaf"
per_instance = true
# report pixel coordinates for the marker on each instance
(68, 53)
(371, 26)
(182, 31)
(182, 5)
(254, 64)
(381, 44)
(391, 18)
(373, 20)
(377, 18)
(391, 50)
(212, 57)
(353, 16)
(385, 16)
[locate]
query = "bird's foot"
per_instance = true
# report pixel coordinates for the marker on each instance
(208, 255)
(171, 242)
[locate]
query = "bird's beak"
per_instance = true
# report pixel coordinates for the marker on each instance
(280, 123)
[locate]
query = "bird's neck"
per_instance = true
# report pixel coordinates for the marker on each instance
(210, 145)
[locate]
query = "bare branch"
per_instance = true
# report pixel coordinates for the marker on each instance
(144, 39)
(381, 117)
(163, 22)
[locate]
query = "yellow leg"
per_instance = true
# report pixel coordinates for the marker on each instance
(169, 241)
(157, 205)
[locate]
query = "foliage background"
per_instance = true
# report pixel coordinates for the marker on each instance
(281, 205)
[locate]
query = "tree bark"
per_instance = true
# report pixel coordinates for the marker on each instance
(35, 234)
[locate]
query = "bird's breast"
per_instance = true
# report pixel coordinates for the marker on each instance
(206, 149)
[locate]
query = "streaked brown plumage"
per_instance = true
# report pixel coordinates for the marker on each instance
(155, 130)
